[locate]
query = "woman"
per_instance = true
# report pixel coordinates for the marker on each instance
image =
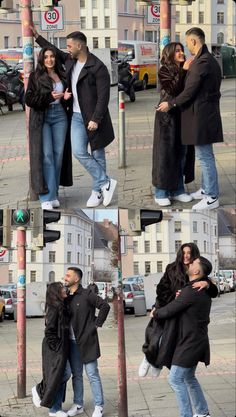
(170, 285)
(50, 392)
(171, 160)
(48, 97)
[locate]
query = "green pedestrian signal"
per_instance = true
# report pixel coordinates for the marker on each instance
(20, 217)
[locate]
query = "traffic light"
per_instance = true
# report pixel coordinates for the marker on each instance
(5, 228)
(20, 217)
(48, 4)
(139, 219)
(39, 220)
(181, 2)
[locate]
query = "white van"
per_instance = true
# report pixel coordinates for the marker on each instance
(143, 60)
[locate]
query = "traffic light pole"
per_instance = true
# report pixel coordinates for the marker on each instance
(165, 23)
(21, 320)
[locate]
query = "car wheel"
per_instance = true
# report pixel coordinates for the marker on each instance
(2, 316)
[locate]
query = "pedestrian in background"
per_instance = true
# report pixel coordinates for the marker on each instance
(93, 286)
(84, 343)
(50, 392)
(200, 115)
(47, 97)
(172, 161)
(89, 81)
(174, 279)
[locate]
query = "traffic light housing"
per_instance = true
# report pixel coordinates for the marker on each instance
(20, 217)
(5, 228)
(6, 6)
(139, 219)
(181, 2)
(48, 4)
(40, 234)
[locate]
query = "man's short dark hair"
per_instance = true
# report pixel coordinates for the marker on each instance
(197, 32)
(206, 266)
(78, 36)
(77, 271)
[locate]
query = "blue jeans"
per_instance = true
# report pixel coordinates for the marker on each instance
(57, 405)
(94, 163)
(205, 155)
(161, 193)
(187, 388)
(92, 372)
(53, 138)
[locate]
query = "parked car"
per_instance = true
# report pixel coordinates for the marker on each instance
(10, 298)
(136, 279)
(230, 276)
(224, 285)
(105, 290)
(130, 290)
(2, 307)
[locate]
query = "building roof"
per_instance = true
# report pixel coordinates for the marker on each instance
(226, 222)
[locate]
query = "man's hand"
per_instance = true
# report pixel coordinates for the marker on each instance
(163, 107)
(67, 95)
(177, 293)
(200, 285)
(92, 126)
(34, 31)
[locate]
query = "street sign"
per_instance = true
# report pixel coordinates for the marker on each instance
(153, 15)
(2, 251)
(52, 19)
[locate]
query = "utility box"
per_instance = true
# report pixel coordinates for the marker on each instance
(140, 305)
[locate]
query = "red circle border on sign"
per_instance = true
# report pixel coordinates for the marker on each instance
(52, 23)
(154, 14)
(2, 252)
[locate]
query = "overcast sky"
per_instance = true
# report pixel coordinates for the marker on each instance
(101, 214)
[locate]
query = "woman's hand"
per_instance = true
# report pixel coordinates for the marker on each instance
(200, 285)
(152, 312)
(177, 293)
(67, 94)
(57, 96)
(187, 63)
(163, 107)
(34, 30)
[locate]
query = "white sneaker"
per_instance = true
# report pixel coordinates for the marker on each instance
(207, 203)
(163, 201)
(98, 411)
(95, 199)
(108, 191)
(143, 367)
(47, 205)
(55, 203)
(59, 413)
(35, 397)
(155, 372)
(75, 410)
(202, 415)
(184, 198)
(198, 195)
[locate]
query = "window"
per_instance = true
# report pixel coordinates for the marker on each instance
(68, 257)
(178, 243)
(78, 258)
(107, 22)
(107, 42)
(94, 4)
(89, 260)
(220, 38)
(204, 227)
(215, 228)
(33, 256)
(51, 276)
(159, 266)
(177, 226)
(177, 36)
(95, 43)
(159, 246)
(201, 17)
(149, 36)
(10, 276)
(194, 227)
(147, 246)
(95, 22)
(62, 43)
(136, 268)
(52, 257)
(158, 227)
(83, 22)
(189, 17)
(18, 41)
(78, 239)
(32, 276)
(147, 267)
(82, 4)
(106, 4)
(135, 246)
(10, 255)
(220, 1)
(89, 242)
(135, 35)
(177, 17)
(220, 18)
(126, 6)
(195, 241)
(204, 246)
(126, 32)
(6, 42)
(17, 12)
(69, 238)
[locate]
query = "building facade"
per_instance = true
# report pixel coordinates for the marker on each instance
(227, 238)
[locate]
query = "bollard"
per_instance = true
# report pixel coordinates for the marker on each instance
(122, 150)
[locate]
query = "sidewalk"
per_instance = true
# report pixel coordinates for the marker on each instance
(135, 182)
(147, 397)
(14, 164)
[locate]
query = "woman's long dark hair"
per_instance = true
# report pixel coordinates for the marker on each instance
(168, 54)
(41, 69)
(54, 295)
(178, 267)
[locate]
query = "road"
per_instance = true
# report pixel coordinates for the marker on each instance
(146, 397)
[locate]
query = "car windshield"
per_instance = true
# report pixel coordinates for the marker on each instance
(6, 294)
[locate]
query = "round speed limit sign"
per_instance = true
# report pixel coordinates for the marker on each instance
(155, 10)
(51, 17)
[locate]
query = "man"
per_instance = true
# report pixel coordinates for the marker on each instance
(84, 344)
(192, 310)
(89, 81)
(93, 286)
(200, 115)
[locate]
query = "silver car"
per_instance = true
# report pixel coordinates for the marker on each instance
(10, 298)
(130, 290)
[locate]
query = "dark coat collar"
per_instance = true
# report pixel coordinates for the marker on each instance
(196, 280)
(202, 51)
